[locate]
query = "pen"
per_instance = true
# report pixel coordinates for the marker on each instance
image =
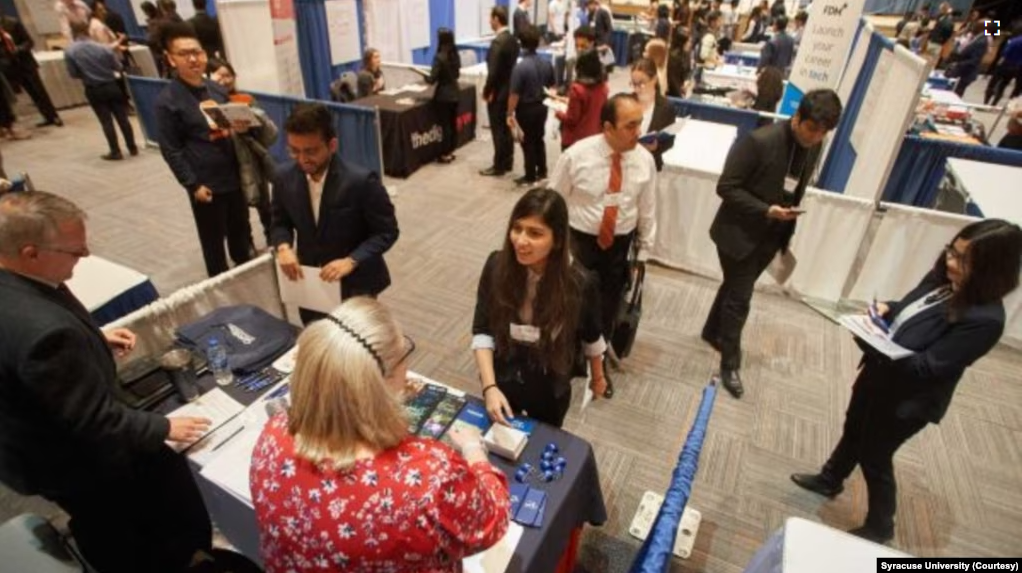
(876, 318)
(228, 438)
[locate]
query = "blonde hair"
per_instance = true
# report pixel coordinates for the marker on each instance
(658, 53)
(340, 397)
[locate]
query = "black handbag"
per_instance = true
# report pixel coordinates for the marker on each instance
(630, 312)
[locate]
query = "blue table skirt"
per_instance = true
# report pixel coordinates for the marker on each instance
(125, 303)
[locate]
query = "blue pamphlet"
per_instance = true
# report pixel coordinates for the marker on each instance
(518, 493)
(475, 414)
(524, 425)
(661, 137)
(530, 509)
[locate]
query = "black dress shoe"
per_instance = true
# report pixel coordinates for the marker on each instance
(732, 382)
(869, 534)
(112, 157)
(133, 151)
(817, 483)
(58, 122)
(609, 392)
(523, 181)
(492, 172)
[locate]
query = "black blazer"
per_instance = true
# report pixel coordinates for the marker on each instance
(752, 181)
(61, 429)
(923, 384)
(518, 359)
(679, 67)
(356, 219)
(500, 60)
(23, 44)
(663, 116)
(445, 74)
(208, 31)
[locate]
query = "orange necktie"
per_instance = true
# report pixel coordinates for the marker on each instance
(606, 237)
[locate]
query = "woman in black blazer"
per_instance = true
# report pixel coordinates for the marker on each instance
(536, 310)
(953, 318)
(657, 112)
(445, 73)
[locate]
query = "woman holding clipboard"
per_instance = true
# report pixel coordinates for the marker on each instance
(950, 320)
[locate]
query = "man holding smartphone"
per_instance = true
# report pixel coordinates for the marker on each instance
(764, 179)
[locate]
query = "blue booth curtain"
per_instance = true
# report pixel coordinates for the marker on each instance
(441, 15)
(131, 24)
(313, 48)
(355, 125)
(921, 163)
(838, 167)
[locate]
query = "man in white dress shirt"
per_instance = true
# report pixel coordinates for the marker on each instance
(609, 183)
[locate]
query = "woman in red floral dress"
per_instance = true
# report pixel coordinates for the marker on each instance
(338, 483)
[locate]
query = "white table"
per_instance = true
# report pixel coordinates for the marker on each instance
(731, 76)
(804, 546)
(66, 91)
(687, 197)
(989, 186)
(109, 290)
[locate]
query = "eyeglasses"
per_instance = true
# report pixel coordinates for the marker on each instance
(77, 253)
(410, 344)
(639, 85)
(189, 54)
(951, 253)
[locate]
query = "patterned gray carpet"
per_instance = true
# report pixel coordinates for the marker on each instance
(960, 483)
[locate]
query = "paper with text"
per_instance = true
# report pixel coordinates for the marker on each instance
(496, 558)
(310, 291)
(215, 405)
(860, 325)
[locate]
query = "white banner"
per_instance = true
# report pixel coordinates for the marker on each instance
(285, 47)
(342, 26)
(823, 50)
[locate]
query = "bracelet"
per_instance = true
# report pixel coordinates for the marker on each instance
(490, 387)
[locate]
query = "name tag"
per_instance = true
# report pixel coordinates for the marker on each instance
(790, 184)
(525, 333)
(612, 199)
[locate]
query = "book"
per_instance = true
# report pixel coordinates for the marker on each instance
(518, 492)
(506, 442)
(444, 413)
(422, 405)
(225, 114)
(662, 138)
(472, 415)
(529, 514)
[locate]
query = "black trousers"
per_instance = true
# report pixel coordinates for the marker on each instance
(731, 305)
(503, 142)
(532, 119)
(153, 520)
(30, 81)
(873, 432)
(447, 117)
(611, 269)
(309, 316)
(533, 395)
(108, 102)
(226, 217)
(999, 81)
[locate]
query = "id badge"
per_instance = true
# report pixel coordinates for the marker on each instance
(790, 184)
(612, 199)
(525, 333)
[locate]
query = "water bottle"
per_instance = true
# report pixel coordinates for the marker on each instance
(217, 356)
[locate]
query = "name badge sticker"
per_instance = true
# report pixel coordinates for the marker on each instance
(525, 333)
(790, 184)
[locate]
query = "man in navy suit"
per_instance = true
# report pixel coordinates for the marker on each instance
(340, 212)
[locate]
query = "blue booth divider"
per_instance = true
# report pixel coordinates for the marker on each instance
(358, 133)
(655, 554)
(921, 163)
(745, 120)
(441, 15)
(837, 169)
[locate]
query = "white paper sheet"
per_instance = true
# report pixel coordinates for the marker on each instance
(342, 28)
(556, 105)
(496, 558)
(415, 27)
(860, 325)
(215, 405)
(229, 469)
(309, 292)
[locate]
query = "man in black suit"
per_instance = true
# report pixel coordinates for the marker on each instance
(521, 18)
(600, 20)
(764, 179)
(500, 61)
(21, 69)
(340, 212)
(132, 500)
(780, 50)
(207, 29)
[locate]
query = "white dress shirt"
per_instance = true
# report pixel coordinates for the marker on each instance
(582, 175)
(316, 194)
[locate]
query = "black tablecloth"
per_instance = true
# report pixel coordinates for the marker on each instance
(572, 501)
(410, 134)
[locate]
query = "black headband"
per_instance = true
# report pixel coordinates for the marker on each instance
(365, 343)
